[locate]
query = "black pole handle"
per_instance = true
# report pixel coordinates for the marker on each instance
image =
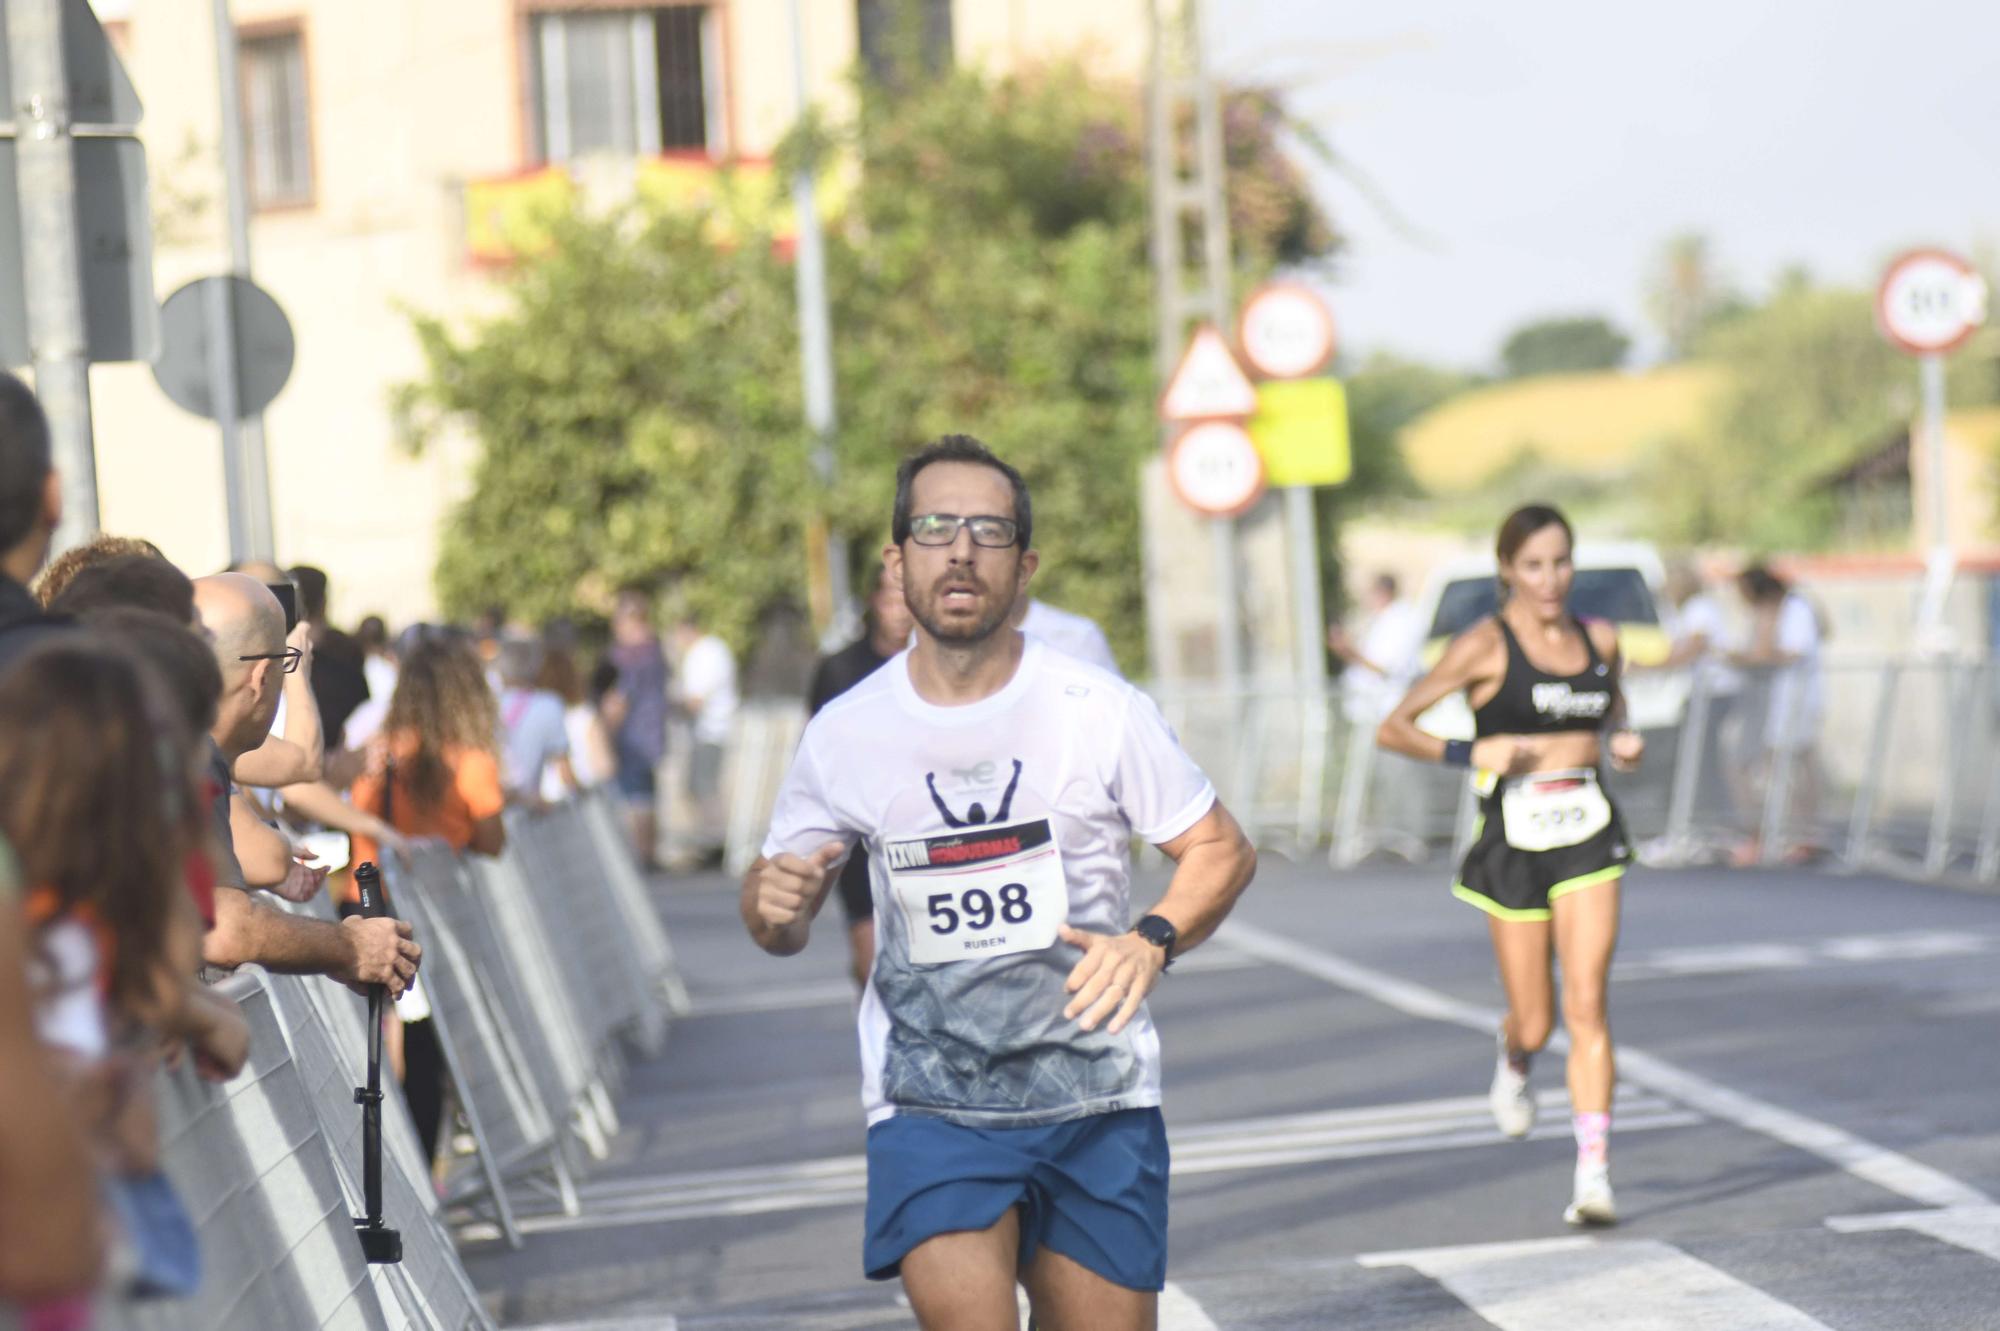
(379, 1243)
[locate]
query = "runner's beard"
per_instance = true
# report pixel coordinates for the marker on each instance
(961, 632)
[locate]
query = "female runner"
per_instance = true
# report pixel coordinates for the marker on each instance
(1550, 850)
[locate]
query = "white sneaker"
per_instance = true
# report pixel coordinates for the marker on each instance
(1513, 1106)
(1591, 1202)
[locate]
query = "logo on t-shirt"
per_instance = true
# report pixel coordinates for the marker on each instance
(975, 814)
(1559, 700)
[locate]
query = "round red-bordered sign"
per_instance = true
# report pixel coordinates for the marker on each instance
(1286, 331)
(1216, 470)
(1930, 302)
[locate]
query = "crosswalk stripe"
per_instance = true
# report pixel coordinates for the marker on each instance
(1974, 1228)
(1886, 1169)
(1629, 1285)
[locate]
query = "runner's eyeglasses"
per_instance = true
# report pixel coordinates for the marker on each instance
(942, 529)
(291, 656)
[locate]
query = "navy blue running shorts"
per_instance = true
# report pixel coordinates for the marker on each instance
(1093, 1189)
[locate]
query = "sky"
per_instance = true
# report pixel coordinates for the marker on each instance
(1534, 155)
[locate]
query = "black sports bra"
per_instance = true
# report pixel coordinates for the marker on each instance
(1534, 702)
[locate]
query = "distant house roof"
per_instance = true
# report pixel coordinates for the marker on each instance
(1599, 423)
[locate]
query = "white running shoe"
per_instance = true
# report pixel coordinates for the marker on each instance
(1512, 1103)
(1591, 1202)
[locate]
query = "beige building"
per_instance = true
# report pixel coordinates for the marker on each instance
(391, 146)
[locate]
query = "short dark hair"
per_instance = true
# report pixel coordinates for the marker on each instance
(1386, 582)
(180, 660)
(959, 448)
(311, 583)
(1761, 586)
(133, 580)
(24, 460)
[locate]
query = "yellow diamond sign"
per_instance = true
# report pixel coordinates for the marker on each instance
(1301, 430)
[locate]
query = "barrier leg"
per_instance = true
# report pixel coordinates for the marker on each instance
(1937, 850)
(1861, 818)
(1678, 841)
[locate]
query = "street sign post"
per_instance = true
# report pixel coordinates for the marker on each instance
(1214, 469)
(76, 277)
(1208, 384)
(1928, 304)
(1286, 332)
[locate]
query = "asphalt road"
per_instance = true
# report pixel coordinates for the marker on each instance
(1807, 1136)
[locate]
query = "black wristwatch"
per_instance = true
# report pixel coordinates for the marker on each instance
(1160, 932)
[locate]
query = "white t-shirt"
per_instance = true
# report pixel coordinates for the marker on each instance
(532, 736)
(958, 808)
(708, 672)
(1393, 640)
(1702, 614)
(1797, 701)
(1066, 632)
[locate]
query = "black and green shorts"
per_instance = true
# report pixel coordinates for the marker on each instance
(1513, 884)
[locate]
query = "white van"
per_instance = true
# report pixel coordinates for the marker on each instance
(1620, 581)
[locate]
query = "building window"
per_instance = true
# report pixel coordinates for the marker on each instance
(896, 35)
(277, 126)
(631, 81)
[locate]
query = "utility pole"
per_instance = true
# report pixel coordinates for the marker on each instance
(1182, 89)
(245, 463)
(45, 160)
(816, 350)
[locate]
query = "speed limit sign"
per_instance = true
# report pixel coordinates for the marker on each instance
(1930, 302)
(1216, 469)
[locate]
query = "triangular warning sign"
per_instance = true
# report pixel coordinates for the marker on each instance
(1208, 383)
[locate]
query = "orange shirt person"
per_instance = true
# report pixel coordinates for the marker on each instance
(434, 771)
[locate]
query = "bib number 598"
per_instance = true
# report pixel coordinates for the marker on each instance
(975, 909)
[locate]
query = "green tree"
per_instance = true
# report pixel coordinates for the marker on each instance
(637, 403)
(1686, 294)
(1558, 346)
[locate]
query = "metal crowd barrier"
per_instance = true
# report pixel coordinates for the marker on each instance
(540, 968)
(1894, 768)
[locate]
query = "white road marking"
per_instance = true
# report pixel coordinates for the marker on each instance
(1878, 1165)
(1749, 958)
(1270, 1142)
(1626, 1285)
(1974, 1228)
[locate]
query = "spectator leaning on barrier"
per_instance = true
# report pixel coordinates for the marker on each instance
(534, 739)
(339, 680)
(1784, 654)
(62, 570)
(30, 508)
(637, 712)
(248, 629)
(51, 1239)
(706, 691)
(145, 581)
(434, 773)
(591, 763)
(90, 740)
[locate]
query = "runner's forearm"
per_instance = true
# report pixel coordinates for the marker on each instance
(1215, 865)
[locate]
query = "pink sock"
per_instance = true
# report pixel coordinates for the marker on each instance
(1593, 1137)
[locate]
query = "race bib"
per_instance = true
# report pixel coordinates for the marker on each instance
(984, 892)
(1550, 810)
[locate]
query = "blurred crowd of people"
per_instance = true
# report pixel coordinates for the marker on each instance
(190, 768)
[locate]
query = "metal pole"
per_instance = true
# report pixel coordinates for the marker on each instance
(245, 464)
(1938, 561)
(816, 346)
(1944, 803)
(1216, 271)
(52, 264)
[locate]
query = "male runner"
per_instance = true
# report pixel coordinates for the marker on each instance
(1010, 1070)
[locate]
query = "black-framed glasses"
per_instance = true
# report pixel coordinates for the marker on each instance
(291, 656)
(942, 529)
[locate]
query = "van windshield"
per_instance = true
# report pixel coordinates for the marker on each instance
(1617, 594)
